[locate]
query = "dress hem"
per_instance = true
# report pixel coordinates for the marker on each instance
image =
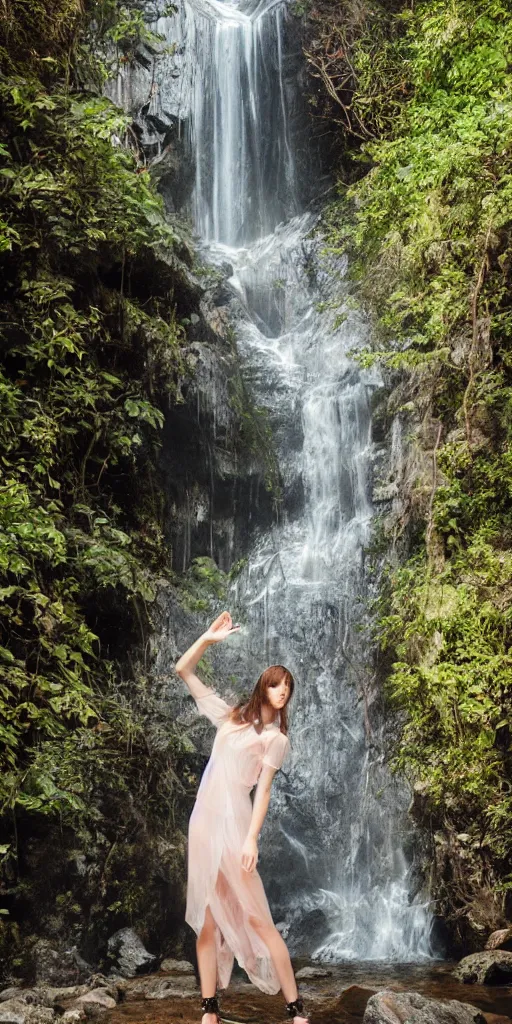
(267, 988)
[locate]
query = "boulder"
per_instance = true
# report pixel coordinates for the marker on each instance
(353, 1002)
(98, 997)
(54, 965)
(489, 968)
(501, 939)
(74, 1016)
(161, 988)
(33, 996)
(14, 1011)
(14, 993)
(128, 954)
(59, 997)
(388, 1007)
(312, 972)
(176, 966)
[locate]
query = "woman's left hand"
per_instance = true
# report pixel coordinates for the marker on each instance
(249, 854)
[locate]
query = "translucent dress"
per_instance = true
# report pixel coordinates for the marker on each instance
(218, 829)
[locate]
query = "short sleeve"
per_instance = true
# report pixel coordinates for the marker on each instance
(277, 750)
(213, 707)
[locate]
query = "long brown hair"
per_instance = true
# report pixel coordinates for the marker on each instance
(248, 711)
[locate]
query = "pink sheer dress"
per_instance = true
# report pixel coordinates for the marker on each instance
(218, 829)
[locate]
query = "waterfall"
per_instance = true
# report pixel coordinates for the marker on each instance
(337, 858)
(340, 840)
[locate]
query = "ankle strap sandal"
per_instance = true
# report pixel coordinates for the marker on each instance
(296, 1009)
(211, 1005)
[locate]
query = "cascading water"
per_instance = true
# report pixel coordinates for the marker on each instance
(336, 869)
(223, 79)
(341, 878)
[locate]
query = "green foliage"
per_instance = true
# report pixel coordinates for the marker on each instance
(88, 363)
(354, 51)
(204, 585)
(428, 225)
(451, 635)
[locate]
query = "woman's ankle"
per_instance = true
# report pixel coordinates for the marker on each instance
(210, 1008)
(296, 1012)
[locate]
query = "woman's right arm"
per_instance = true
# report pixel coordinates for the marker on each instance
(219, 630)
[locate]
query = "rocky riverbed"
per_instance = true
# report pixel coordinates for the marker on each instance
(333, 994)
(337, 994)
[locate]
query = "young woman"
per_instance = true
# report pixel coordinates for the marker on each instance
(226, 902)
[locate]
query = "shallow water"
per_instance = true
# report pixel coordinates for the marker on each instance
(339, 998)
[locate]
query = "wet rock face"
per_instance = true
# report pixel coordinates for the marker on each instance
(212, 466)
(388, 1007)
(487, 968)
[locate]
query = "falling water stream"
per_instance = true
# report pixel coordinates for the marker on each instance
(338, 859)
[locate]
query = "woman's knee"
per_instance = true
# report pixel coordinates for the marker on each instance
(264, 928)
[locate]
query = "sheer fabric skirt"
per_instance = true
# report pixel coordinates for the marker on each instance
(236, 898)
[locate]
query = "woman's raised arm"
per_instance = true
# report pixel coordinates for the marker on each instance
(219, 630)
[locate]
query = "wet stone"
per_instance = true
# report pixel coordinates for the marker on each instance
(55, 966)
(12, 993)
(353, 1002)
(60, 997)
(128, 954)
(161, 988)
(388, 1007)
(13, 1011)
(501, 939)
(176, 966)
(95, 1003)
(487, 968)
(312, 972)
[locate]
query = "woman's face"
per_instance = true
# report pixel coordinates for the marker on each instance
(279, 694)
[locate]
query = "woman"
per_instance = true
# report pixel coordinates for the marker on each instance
(226, 902)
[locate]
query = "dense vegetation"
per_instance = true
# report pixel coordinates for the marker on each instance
(91, 359)
(422, 95)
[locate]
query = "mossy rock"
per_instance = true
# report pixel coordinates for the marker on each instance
(493, 967)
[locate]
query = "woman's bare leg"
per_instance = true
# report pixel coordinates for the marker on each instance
(207, 962)
(280, 958)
